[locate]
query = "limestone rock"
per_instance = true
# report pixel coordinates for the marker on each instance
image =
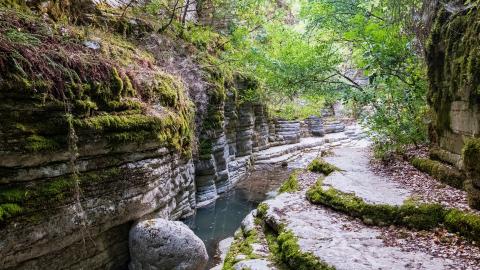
(161, 244)
(315, 126)
(256, 264)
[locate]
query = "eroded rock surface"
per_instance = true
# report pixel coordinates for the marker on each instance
(356, 176)
(335, 238)
(342, 242)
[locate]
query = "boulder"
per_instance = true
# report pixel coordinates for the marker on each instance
(158, 244)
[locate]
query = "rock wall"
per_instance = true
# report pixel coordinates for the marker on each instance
(87, 147)
(453, 57)
(83, 158)
(58, 204)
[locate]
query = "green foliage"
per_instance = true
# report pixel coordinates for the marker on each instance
(298, 109)
(379, 41)
(441, 172)
(289, 65)
(321, 166)
(291, 184)
(204, 38)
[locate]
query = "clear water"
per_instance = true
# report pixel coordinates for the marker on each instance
(222, 218)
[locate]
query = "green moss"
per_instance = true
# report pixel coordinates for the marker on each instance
(116, 84)
(85, 107)
(286, 253)
(471, 157)
(110, 122)
(274, 247)
(473, 194)
(128, 87)
(262, 210)
(165, 89)
(291, 254)
(124, 105)
(242, 244)
(453, 66)
(410, 214)
(36, 143)
(172, 130)
(466, 224)
(440, 171)
(214, 120)
(21, 199)
(291, 184)
(205, 149)
(8, 210)
(422, 216)
(321, 166)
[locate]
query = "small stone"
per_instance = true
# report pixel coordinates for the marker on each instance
(257, 264)
(92, 44)
(240, 257)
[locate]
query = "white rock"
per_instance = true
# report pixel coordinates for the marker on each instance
(161, 244)
(257, 264)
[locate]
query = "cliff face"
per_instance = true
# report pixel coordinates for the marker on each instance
(453, 56)
(111, 123)
(94, 135)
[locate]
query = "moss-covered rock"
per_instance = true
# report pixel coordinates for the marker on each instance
(20, 199)
(452, 52)
(410, 214)
(442, 172)
(242, 244)
(286, 252)
(291, 184)
(95, 87)
(321, 166)
(414, 216)
(471, 158)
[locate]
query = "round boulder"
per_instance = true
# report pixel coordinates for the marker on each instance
(158, 244)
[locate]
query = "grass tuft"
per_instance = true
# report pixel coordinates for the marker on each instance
(321, 166)
(291, 184)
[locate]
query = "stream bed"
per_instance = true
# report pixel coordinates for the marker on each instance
(222, 218)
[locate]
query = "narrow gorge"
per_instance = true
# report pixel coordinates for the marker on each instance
(123, 121)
